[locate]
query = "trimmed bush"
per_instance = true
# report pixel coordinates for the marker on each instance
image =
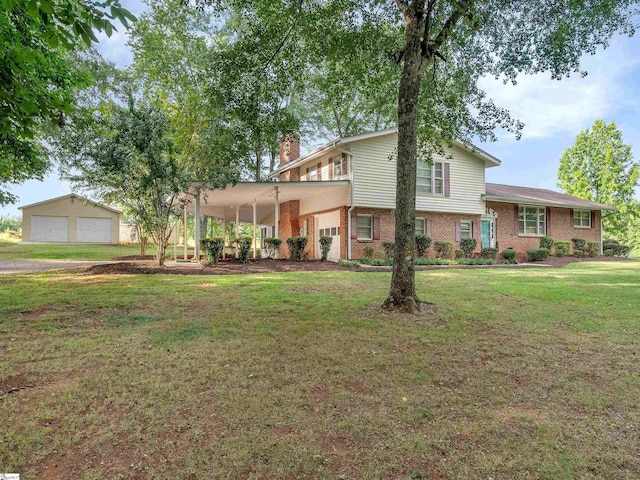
(379, 254)
(537, 254)
(244, 246)
(618, 250)
(546, 242)
(296, 247)
(476, 261)
(368, 251)
(562, 249)
(432, 261)
(443, 249)
(325, 246)
(489, 253)
(593, 248)
(272, 246)
(423, 242)
(468, 245)
(458, 254)
(508, 256)
(389, 248)
(608, 252)
(578, 244)
(213, 247)
(623, 251)
(348, 263)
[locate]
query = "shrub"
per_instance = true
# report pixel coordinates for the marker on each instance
(244, 246)
(537, 254)
(389, 248)
(578, 244)
(432, 261)
(476, 261)
(614, 245)
(508, 256)
(423, 242)
(325, 246)
(296, 247)
(458, 254)
(348, 263)
(623, 251)
(578, 253)
(489, 253)
(610, 243)
(594, 249)
(272, 246)
(562, 249)
(468, 245)
(443, 249)
(608, 252)
(368, 251)
(213, 248)
(546, 242)
(379, 254)
(258, 254)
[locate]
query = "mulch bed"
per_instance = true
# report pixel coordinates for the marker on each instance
(234, 267)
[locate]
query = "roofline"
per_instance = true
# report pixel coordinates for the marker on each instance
(67, 196)
(487, 157)
(276, 184)
(596, 206)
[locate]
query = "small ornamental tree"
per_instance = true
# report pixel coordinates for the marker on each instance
(423, 242)
(244, 247)
(325, 246)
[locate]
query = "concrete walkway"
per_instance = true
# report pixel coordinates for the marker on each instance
(27, 266)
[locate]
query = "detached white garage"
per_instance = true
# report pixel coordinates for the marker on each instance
(70, 219)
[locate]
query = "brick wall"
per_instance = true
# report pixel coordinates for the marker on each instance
(292, 175)
(559, 227)
(443, 229)
(289, 224)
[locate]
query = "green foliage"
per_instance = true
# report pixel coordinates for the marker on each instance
(601, 167)
(213, 247)
(508, 256)
(423, 242)
(593, 248)
(546, 242)
(325, 246)
(475, 261)
(388, 248)
(378, 254)
(348, 263)
(458, 254)
(616, 248)
(537, 254)
(244, 247)
(10, 223)
(579, 244)
(468, 245)
(376, 262)
(562, 249)
(608, 252)
(443, 249)
(368, 251)
(272, 246)
(489, 253)
(296, 247)
(422, 261)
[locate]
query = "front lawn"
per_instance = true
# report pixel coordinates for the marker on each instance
(521, 374)
(61, 251)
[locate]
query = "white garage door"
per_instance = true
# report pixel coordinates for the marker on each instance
(49, 229)
(94, 230)
(328, 224)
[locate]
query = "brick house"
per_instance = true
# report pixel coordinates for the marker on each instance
(346, 189)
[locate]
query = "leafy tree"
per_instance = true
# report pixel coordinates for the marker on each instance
(37, 79)
(439, 50)
(600, 167)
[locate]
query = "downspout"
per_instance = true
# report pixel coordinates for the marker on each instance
(601, 247)
(349, 226)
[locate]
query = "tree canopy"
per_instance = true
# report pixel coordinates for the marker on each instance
(600, 167)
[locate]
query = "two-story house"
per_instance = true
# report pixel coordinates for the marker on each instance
(346, 189)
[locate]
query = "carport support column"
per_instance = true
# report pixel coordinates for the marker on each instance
(253, 204)
(185, 234)
(237, 228)
(196, 226)
(276, 234)
(224, 235)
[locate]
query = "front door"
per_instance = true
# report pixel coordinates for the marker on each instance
(488, 234)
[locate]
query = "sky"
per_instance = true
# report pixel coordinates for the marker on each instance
(554, 112)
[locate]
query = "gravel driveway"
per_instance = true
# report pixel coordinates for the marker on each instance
(26, 266)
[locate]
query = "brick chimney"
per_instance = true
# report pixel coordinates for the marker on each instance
(289, 148)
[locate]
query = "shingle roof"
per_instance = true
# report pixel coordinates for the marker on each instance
(539, 196)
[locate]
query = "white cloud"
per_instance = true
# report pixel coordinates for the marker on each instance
(550, 107)
(115, 48)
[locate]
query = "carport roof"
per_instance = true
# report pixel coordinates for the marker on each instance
(70, 195)
(222, 203)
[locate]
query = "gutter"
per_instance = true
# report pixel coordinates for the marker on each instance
(539, 203)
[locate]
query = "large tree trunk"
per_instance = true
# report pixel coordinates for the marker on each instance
(402, 294)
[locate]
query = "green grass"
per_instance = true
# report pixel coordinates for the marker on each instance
(521, 374)
(32, 251)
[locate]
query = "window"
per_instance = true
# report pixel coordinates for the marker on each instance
(365, 227)
(532, 220)
(582, 218)
(466, 229)
(420, 224)
(430, 178)
(340, 166)
(312, 173)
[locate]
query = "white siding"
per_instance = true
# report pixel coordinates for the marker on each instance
(339, 197)
(374, 179)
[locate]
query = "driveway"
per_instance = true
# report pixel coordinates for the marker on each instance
(26, 266)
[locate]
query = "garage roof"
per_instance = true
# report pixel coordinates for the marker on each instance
(70, 195)
(539, 196)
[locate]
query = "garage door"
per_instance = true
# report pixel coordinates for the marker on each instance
(94, 230)
(328, 224)
(45, 228)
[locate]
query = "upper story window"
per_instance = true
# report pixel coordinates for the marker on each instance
(582, 218)
(312, 173)
(532, 220)
(340, 167)
(466, 229)
(430, 178)
(365, 227)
